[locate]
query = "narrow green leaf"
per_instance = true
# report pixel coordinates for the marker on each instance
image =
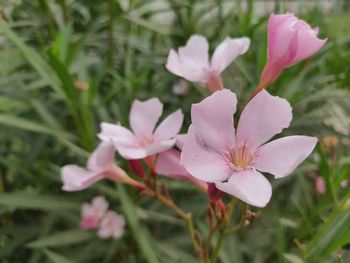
(64, 238)
(332, 235)
(56, 258)
(292, 258)
(141, 234)
(33, 57)
(21, 200)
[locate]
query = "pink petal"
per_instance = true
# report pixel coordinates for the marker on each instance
(228, 51)
(185, 69)
(117, 134)
(112, 225)
(213, 120)
(281, 37)
(248, 185)
(159, 146)
(76, 178)
(192, 61)
(202, 162)
(280, 157)
(307, 44)
(144, 116)
(132, 153)
(180, 140)
(102, 158)
(195, 52)
(168, 164)
(262, 118)
(169, 127)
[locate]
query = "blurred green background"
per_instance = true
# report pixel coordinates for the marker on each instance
(67, 65)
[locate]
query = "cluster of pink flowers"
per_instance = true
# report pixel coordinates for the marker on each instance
(95, 215)
(212, 151)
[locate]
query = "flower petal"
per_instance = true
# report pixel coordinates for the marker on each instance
(191, 62)
(180, 140)
(168, 164)
(262, 118)
(248, 185)
(213, 120)
(144, 116)
(102, 158)
(228, 51)
(308, 43)
(170, 126)
(202, 162)
(116, 134)
(195, 52)
(76, 178)
(159, 146)
(280, 157)
(132, 153)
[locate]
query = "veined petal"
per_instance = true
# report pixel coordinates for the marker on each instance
(144, 116)
(75, 178)
(102, 158)
(170, 126)
(203, 162)
(248, 185)
(228, 51)
(213, 120)
(262, 118)
(280, 157)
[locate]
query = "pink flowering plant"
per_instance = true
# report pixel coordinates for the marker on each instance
(174, 131)
(231, 152)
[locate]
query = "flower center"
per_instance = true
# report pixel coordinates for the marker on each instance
(146, 140)
(241, 158)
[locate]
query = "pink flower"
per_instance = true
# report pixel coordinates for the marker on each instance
(320, 185)
(112, 225)
(214, 152)
(144, 140)
(92, 213)
(290, 40)
(168, 164)
(99, 166)
(192, 61)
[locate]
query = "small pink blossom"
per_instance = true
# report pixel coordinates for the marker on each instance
(290, 40)
(168, 164)
(214, 152)
(100, 166)
(180, 88)
(144, 140)
(192, 61)
(93, 213)
(320, 185)
(111, 226)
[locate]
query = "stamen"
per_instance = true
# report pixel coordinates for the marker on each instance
(240, 158)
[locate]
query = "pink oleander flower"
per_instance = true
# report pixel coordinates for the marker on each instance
(144, 140)
(93, 213)
(168, 164)
(320, 185)
(290, 40)
(192, 61)
(214, 152)
(100, 166)
(111, 226)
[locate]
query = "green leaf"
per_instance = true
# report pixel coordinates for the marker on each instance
(56, 258)
(64, 238)
(33, 57)
(21, 200)
(141, 234)
(332, 235)
(28, 125)
(292, 258)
